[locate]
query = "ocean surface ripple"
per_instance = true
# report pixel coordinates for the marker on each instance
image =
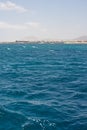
(43, 87)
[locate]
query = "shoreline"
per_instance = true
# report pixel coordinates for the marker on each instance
(44, 42)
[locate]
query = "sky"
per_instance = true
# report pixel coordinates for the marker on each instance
(42, 19)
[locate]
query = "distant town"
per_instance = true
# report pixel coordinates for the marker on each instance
(48, 41)
(79, 40)
(54, 41)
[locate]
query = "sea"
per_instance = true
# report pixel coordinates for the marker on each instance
(43, 86)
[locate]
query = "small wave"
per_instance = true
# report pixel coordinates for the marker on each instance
(24, 46)
(37, 124)
(8, 49)
(52, 50)
(34, 47)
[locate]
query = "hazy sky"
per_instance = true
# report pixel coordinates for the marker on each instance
(45, 19)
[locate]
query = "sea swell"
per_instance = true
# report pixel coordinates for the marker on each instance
(43, 87)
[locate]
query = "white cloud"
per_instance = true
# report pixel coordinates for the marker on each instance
(36, 25)
(4, 25)
(33, 24)
(33, 28)
(14, 31)
(11, 7)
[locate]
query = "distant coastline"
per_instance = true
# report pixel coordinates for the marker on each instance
(47, 41)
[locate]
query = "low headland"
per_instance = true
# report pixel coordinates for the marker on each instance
(47, 41)
(79, 40)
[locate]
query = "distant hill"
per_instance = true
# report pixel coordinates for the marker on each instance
(82, 38)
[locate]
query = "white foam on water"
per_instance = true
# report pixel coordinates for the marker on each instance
(8, 48)
(24, 46)
(42, 123)
(34, 47)
(51, 50)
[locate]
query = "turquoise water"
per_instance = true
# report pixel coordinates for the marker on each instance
(43, 87)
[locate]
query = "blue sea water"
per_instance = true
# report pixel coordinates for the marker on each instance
(43, 87)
